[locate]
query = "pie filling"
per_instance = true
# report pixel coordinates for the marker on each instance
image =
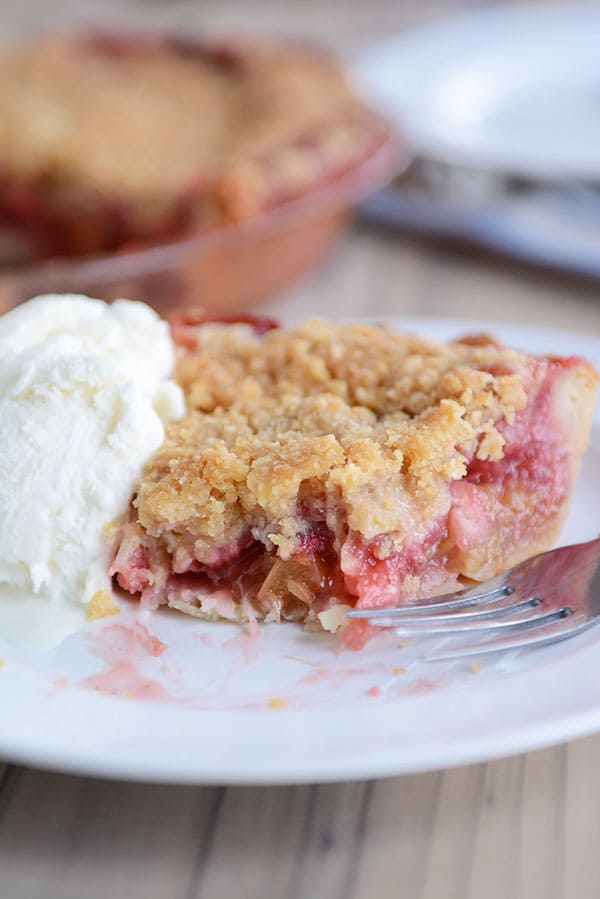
(335, 486)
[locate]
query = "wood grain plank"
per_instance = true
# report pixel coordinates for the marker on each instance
(3, 772)
(469, 285)
(496, 852)
(9, 774)
(256, 843)
(326, 866)
(368, 274)
(397, 838)
(542, 825)
(582, 819)
(66, 837)
(454, 833)
(374, 273)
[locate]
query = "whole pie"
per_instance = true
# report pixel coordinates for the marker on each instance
(338, 465)
(106, 139)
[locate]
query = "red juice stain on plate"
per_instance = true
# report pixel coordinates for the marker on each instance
(205, 639)
(421, 686)
(125, 650)
(331, 676)
(245, 644)
(147, 639)
(58, 685)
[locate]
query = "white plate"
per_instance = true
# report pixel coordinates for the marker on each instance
(219, 707)
(512, 88)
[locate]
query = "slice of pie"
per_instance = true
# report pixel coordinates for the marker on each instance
(338, 465)
(107, 138)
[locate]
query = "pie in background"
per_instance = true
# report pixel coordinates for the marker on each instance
(110, 139)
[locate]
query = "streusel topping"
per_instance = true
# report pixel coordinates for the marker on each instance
(355, 425)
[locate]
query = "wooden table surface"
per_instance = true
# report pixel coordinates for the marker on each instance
(527, 827)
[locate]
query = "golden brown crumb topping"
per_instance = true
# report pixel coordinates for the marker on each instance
(354, 425)
(142, 125)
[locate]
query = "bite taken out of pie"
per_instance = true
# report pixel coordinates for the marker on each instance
(336, 465)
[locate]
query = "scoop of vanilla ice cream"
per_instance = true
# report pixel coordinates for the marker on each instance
(84, 397)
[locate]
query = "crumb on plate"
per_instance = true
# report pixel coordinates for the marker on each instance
(278, 703)
(101, 605)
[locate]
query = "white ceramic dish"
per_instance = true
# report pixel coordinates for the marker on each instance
(212, 705)
(511, 88)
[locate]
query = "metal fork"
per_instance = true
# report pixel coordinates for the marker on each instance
(547, 598)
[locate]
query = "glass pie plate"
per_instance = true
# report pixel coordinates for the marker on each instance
(227, 267)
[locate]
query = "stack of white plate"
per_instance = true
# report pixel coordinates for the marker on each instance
(502, 108)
